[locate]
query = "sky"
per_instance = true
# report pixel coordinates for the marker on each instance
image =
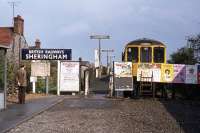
(68, 24)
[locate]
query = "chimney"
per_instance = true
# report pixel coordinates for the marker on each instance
(37, 43)
(19, 25)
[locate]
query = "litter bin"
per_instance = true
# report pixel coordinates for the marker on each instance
(2, 100)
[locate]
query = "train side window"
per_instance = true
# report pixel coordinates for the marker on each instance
(146, 54)
(159, 55)
(133, 54)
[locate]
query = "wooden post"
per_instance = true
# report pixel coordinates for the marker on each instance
(47, 85)
(165, 92)
(80, 75)
(111, 85)
(86, 82)
(113, 79)
(162, 91)
(153, 90)
(33, 83)
(58, 77)
(173, 92)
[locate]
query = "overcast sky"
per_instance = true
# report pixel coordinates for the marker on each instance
(69, 23)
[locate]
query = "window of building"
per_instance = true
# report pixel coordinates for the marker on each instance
(159, 55)
(146, 54)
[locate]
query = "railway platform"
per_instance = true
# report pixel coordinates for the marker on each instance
(16, 114)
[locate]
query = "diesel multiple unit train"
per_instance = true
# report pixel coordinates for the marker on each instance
(148, 56)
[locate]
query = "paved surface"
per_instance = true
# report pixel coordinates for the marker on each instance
(17, 113)
(100, 115)
(99, 85)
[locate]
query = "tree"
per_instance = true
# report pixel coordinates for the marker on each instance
(187, 55)
(183, 55)
(194, 43)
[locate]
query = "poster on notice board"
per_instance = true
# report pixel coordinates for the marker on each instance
(167, 72)
(123, 69)
(191, 74)
(156, 69)
(144, 70)
(149, 70)
(179, 73)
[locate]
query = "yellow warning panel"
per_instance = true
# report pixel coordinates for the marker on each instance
(167, 72)
(134, 68)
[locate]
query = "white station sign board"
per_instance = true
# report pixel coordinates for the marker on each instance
(69, 76)
(40, 69)
(33, 79)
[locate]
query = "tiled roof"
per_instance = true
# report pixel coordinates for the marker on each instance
(6, 36)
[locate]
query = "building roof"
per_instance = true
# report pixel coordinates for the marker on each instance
(6, 36)
(145, 40)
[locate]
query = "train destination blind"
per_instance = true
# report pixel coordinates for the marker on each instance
(46, 54)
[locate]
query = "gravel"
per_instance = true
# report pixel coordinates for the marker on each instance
(90, 115)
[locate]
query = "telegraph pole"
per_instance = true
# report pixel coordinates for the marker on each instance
(107, 53)
(111, 59)
(99, 38)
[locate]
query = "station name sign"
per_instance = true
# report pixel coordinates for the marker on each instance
(46, 54)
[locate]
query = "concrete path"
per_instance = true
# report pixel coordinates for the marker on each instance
(15, 114)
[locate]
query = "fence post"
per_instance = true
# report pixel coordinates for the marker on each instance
(47, 85)
(111, 85)
(58, 77)
(86, 82)
(33, 83)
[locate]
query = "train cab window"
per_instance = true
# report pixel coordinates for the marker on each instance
(132, 54)
(159, 55)
(146, 54)
(129, 54)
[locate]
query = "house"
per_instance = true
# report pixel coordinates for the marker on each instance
(37, 45)
(13, 38)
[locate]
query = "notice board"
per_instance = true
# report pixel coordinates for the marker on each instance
(69, 76)
(123, 78)
(40, 69)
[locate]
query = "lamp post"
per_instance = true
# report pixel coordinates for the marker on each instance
(99, 38)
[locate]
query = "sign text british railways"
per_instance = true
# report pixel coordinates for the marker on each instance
(46, 54)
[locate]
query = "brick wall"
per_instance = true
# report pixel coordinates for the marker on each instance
(19, 25)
